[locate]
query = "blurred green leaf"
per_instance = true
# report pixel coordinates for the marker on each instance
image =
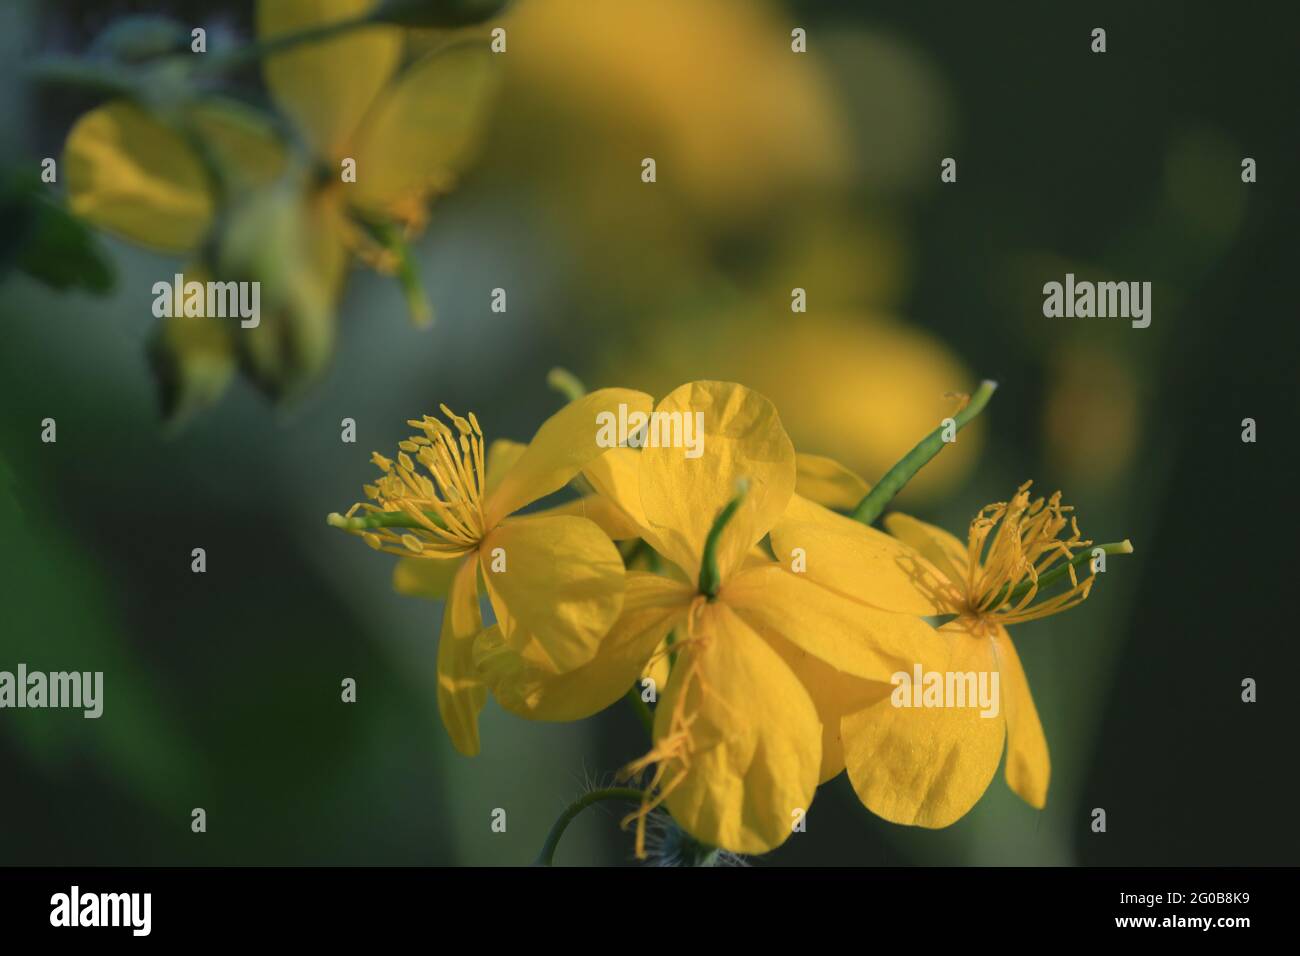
(48, 243)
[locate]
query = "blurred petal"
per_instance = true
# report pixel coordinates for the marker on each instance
(501, 457)
(563, 585)
(423, 129)
(193, 360)
(328, 86)
(926, 766)
(827, 482)
(863, 563)
(129, 174)
(651, 607)
(742, 440)
(425, 577)
(849, 635)
(562, 447)
(945, 552)
(1029, 769)
(242, 142)
(753, 738)
(461, 693)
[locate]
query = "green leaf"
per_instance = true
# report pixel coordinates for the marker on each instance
(47, 242)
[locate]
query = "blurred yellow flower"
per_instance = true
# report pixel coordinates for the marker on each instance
(555, 581)
(1091, 420)
(709, 88)
(213, 179)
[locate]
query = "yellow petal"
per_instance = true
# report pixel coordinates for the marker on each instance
(833, 693)
(1029, 769)
(926, 766)
(327, 86)
(827, 482)
(616, 476)
(501, 457)
(850, 636)
(945, 552)
(861, 562)
(742, 440)
(753, 738)
(599, 510)
(129, 174)
(562, 584)
(564, 445)
(425, 577)
(461, 693)
(651, 608)
(422, 130)
(242, 142)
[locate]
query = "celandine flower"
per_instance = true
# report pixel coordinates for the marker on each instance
(929, 765)
(555, 581)
(737, 752)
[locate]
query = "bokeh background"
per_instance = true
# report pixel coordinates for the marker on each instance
(775, 170)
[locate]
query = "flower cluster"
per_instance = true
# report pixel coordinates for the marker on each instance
(770, 625)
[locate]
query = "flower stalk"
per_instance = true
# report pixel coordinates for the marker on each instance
(626, 794)
(875, 501)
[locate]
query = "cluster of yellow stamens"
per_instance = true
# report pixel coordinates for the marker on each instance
(1002, 574)
(443, 504)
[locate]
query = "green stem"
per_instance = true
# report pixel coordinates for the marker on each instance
(1057, 573)
(106, 78)
(643, 712)
(408, 274)
(871, 506)
(280, 43)
(710, 577)
(627, 794)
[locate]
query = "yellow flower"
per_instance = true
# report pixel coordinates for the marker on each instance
(214, 180)
(736, 733)
(708, 88)
(928, 766)
(555, 581)
(131, 173)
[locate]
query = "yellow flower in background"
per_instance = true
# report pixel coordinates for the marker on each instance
(852, 387)
(709, 88)
(736, 732)
(555, 581)
(150, 179)
(213, 180)
(410, 132)
(928, 766)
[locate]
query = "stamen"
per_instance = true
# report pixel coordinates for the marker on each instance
(436, 486)
(1004, 573)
